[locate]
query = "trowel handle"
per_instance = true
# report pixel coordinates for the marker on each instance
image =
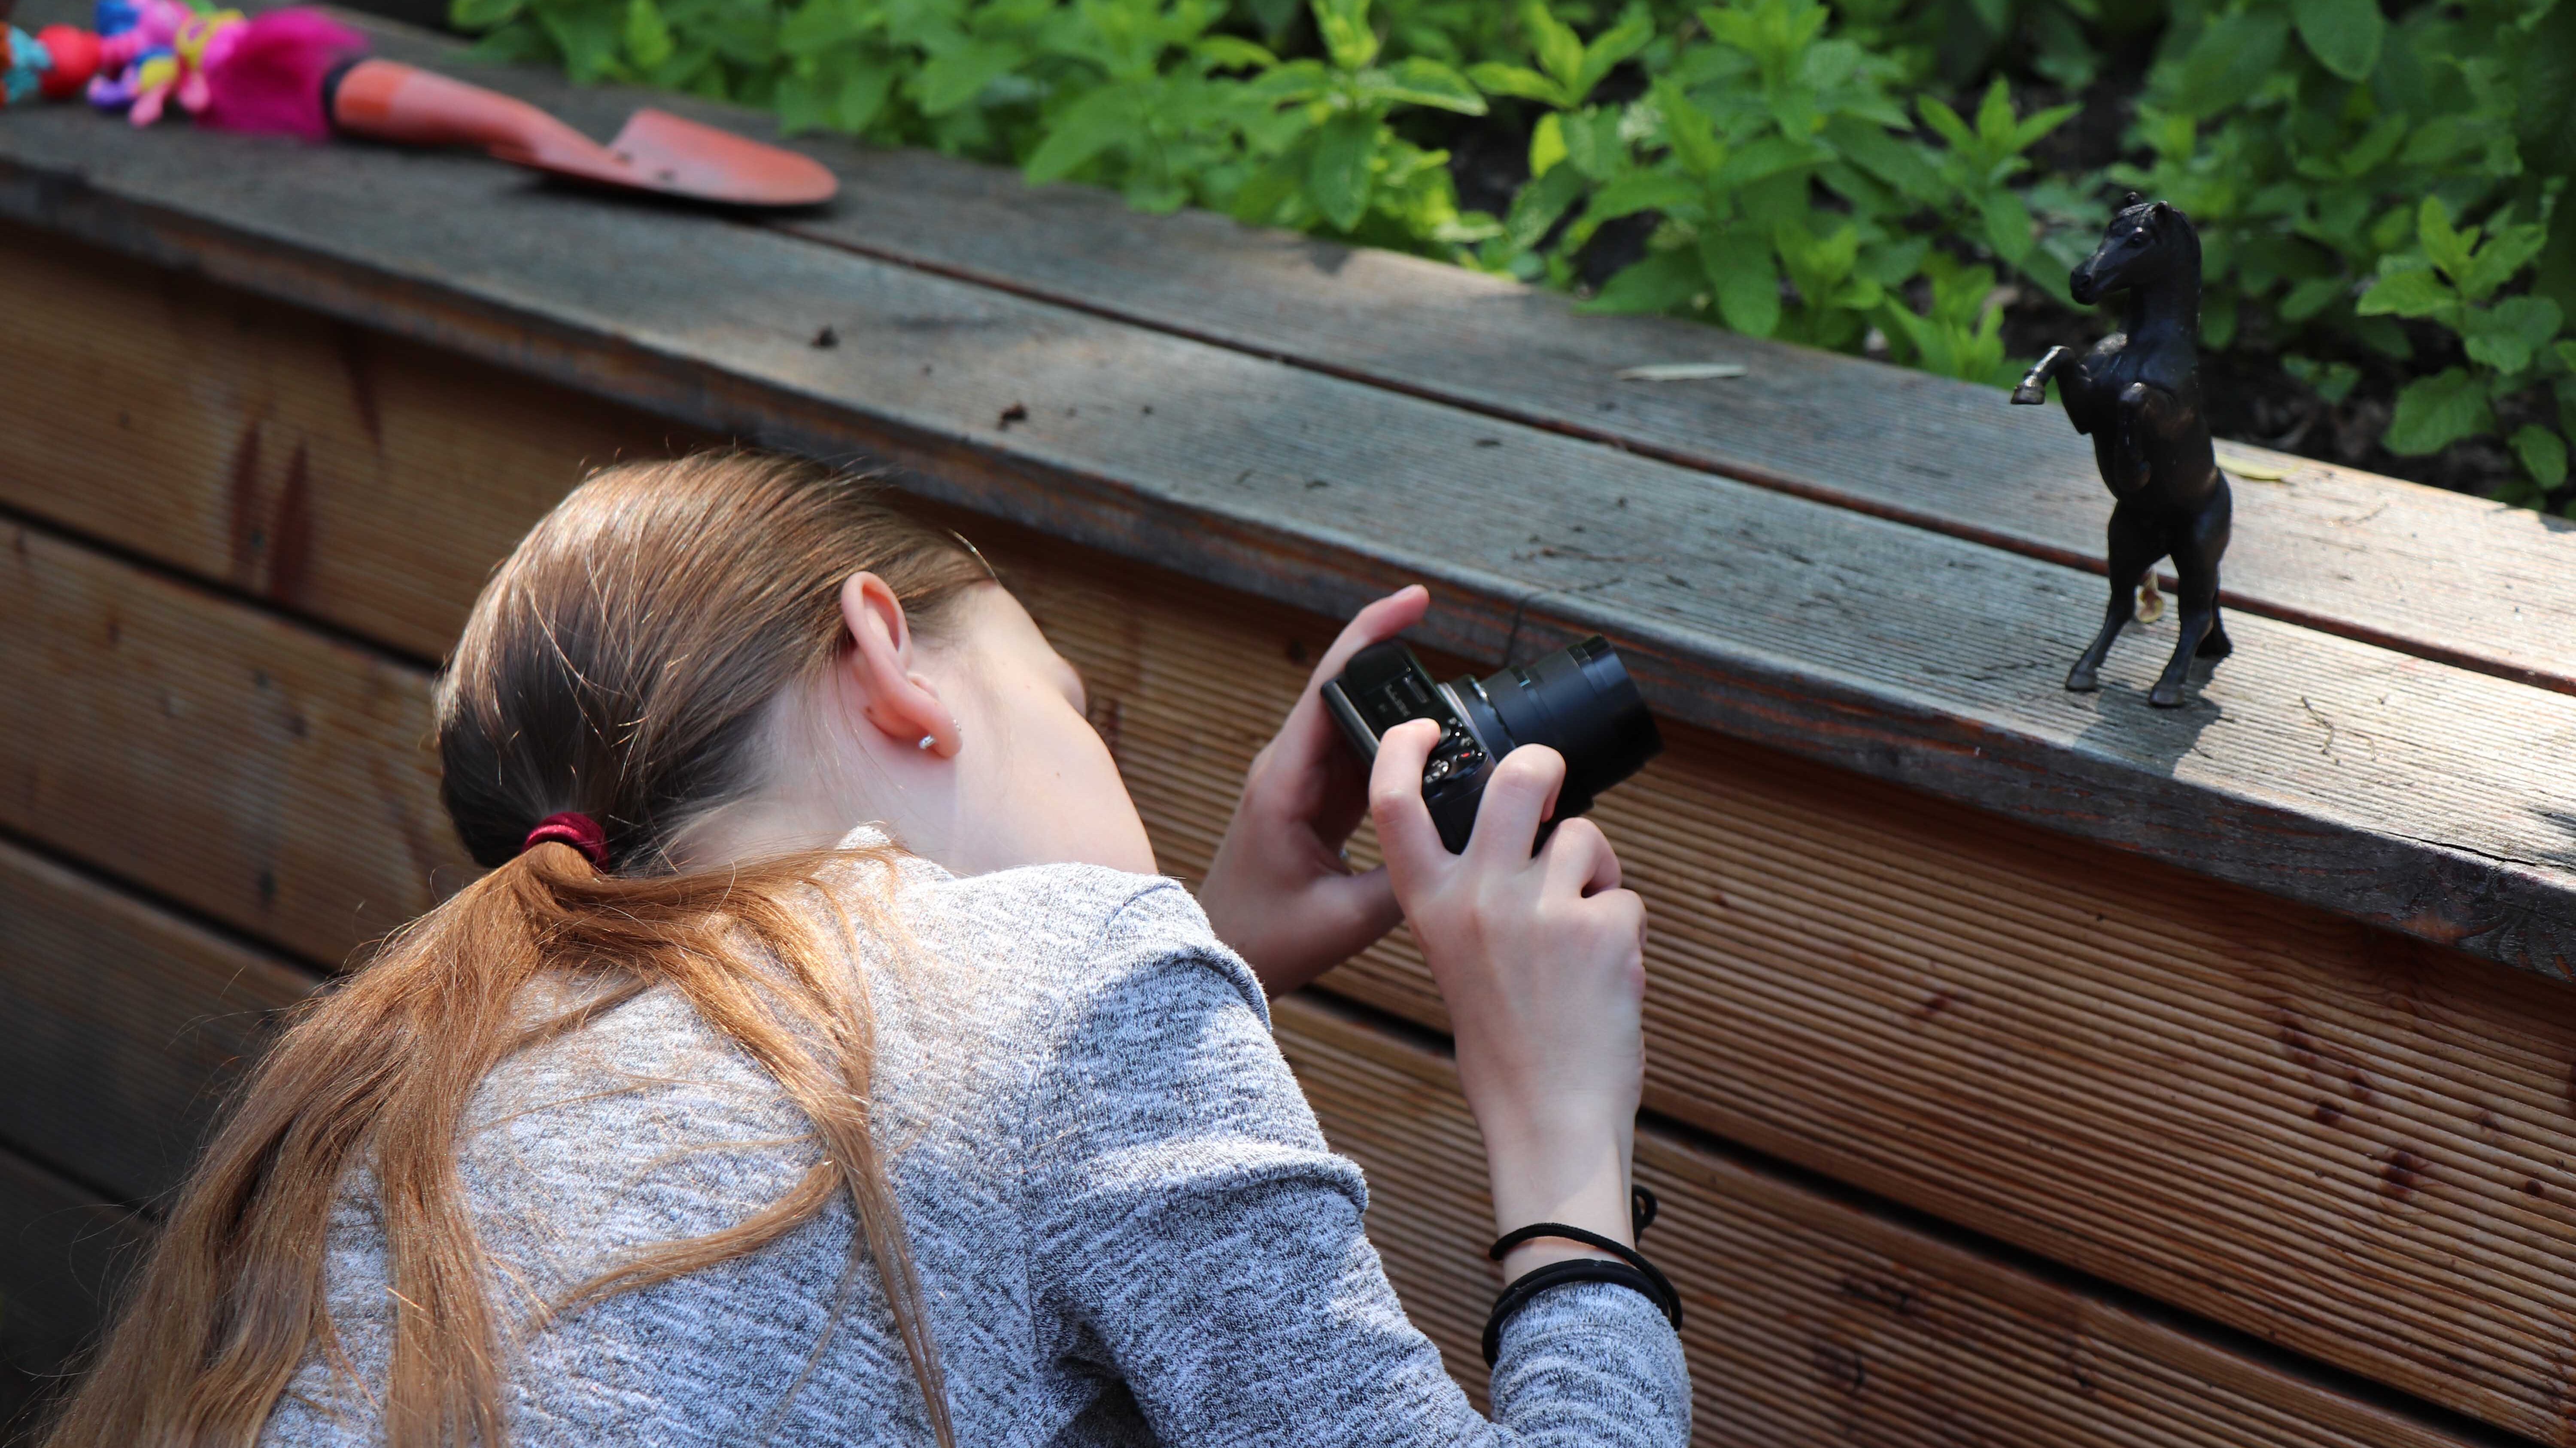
(386, 100)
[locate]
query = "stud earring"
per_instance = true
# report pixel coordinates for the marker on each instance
(926, 742)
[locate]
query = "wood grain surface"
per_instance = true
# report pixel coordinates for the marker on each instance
(2291, 1124)
(238, 763)
(1806, 1320)
(61, 1250)
(125, 1024)
(2339, 1139)
(1812, 1321)
(331, 469)
(2378, 785)
(2420, 570)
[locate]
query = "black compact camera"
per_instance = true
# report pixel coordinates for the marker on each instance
(1578, 701)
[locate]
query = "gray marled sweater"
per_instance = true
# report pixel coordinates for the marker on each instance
(1127, 1225)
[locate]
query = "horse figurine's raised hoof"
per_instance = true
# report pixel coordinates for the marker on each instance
(2137, 395)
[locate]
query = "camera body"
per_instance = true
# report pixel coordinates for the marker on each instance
(1578, 701)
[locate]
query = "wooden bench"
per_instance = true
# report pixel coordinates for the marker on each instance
(2025, 1067)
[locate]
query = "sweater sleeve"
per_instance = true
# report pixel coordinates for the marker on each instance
(1195, 1237)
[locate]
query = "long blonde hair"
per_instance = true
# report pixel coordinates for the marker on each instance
(619, 665)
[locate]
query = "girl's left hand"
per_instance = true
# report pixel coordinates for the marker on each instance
(1280, 892)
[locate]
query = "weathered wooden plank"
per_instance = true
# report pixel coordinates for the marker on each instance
(313, 463)
(233, 761)
(124, 1022)
(2341, 1140)
(2379, 786)
(1814, 1322)
(2419, 570)
(60, 1253)
(1807, 1321)
(2289, 1123)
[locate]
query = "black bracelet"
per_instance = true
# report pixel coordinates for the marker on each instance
(1632, 1270)
(1556, 1274)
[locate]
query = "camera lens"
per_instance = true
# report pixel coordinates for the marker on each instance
(1581, 703)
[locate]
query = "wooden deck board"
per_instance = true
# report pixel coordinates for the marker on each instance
(1812, 1320)
(2416, 569)
(2382, 786)
(1807, 1320)
(2290, 1124)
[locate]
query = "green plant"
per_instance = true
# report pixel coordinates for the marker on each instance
(2323, 149)
(2377, 190)
(2512, 344)
(1776, 151)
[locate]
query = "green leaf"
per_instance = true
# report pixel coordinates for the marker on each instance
(1688, 130)
(803, 104)
(1769, 156)
(2543, 454)
(2407, 294)
(2507, 335)
(1232, 52)
(2226, 64)
(1610, 47)
(1946, 121)
(1900, 163)
(2344, 35)
(1995, 115)
(1337, 175)
(1344, 25)
(959, 74)
(1661, 282)
(1558, 48)
(2434, 412)
(648, 36)
(2311, 297)
(1738, 262)
(1592, 143)
(1420, 82)
(1641, 191)
(2039, 124)
(1547, 143)
(2505, 253)
(1495, 78)
(2449, 250)
(1081, 131)
(862, 96)
(2007, 224)
(1537, 205)
(483, 14)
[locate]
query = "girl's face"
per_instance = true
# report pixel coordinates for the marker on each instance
(1013, 773)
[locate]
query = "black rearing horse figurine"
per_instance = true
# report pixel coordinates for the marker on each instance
(2137, 395)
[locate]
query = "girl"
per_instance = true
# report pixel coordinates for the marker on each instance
(821, 1060)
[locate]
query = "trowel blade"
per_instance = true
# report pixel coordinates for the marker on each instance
(663, 152)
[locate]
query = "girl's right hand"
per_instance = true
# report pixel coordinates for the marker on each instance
(1541, 961)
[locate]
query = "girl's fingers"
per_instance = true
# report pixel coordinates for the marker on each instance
(1405, 833)
(1374, 624)
(1578, 857)
(1310, 730)
(1518, 794)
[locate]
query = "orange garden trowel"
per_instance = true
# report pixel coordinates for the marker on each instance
(386, 100)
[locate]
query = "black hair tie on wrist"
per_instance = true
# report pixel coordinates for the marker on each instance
(1631, 1271)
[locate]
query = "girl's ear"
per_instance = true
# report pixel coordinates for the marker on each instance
(900, 703)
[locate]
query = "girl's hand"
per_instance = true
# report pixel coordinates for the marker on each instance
(1280, 892)
(1541, 959)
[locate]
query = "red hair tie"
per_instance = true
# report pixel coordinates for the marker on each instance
(573, 828)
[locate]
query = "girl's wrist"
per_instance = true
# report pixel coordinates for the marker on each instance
(1580, 1182)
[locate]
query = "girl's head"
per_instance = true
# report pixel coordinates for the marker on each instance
(727, 662)
(737, 655)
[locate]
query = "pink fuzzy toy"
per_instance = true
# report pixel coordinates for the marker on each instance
(267, 74)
